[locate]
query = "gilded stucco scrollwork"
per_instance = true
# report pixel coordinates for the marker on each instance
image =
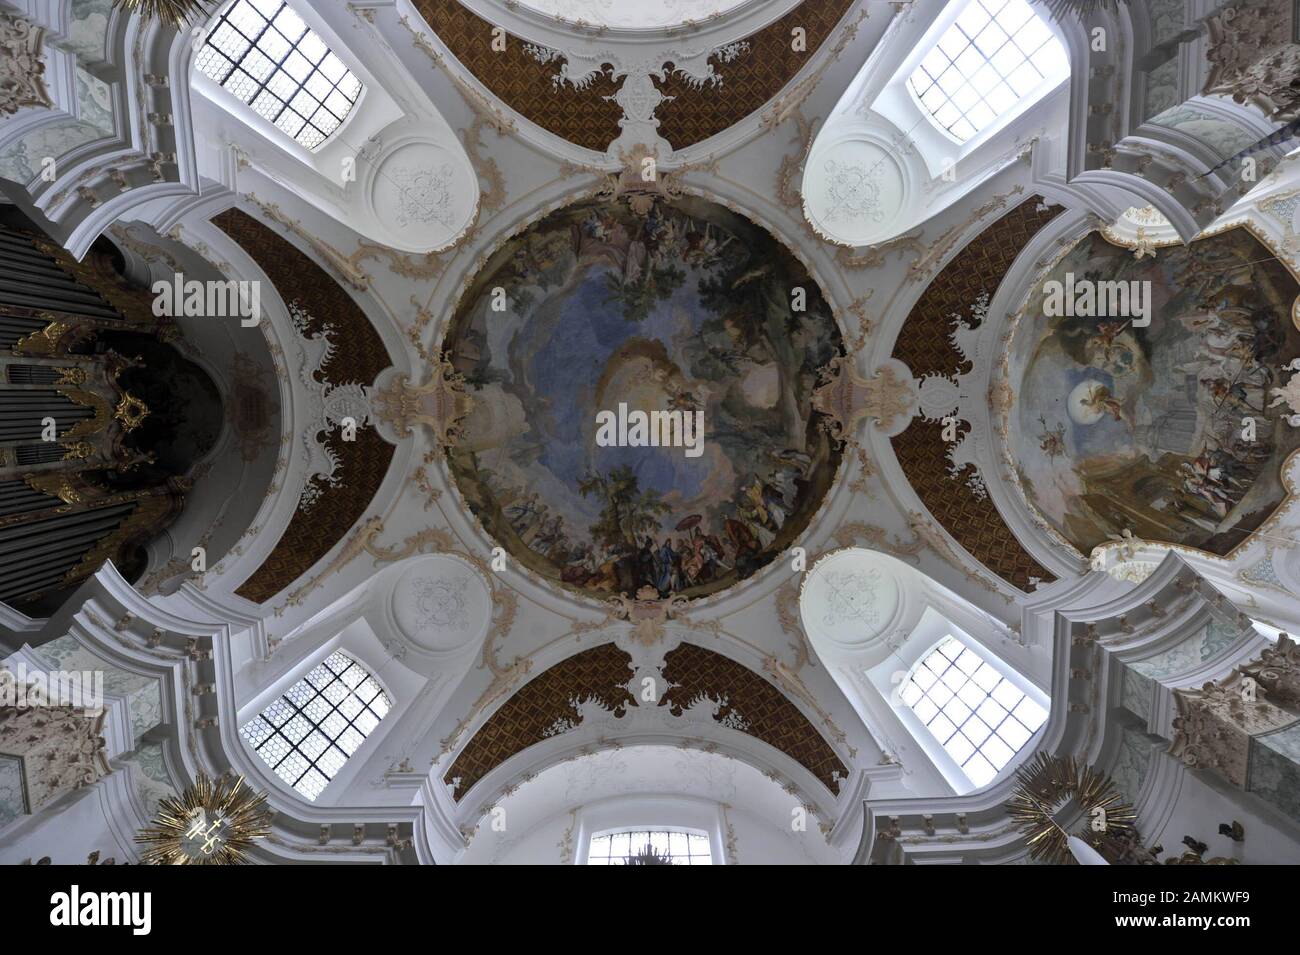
(21, 67)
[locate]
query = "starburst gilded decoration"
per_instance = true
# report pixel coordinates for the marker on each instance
(210, 823)
(1050, 783)
(176, 13)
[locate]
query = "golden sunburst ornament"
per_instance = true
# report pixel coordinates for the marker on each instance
(175, 12)
(1048, 785)
(208, 824)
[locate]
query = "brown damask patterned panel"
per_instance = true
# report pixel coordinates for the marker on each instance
(764, 710)
(603, 671)
(589, 117)
(359, 354)
(972, 521)
(584, 117)
(750, 80)
(523, 720)
(925, 347)
(359, 357)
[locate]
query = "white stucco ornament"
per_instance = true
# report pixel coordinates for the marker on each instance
(849, 598)
(441, 603)
(855, 190)
(422, 193)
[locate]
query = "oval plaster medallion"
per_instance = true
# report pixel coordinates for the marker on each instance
(442, 603)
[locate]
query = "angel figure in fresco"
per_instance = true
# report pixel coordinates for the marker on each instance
(1052, 440)
(1104, 339)
(1222, 391)
(1099, 398)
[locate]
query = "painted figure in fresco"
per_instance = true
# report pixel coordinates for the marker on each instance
(1166, 428)
(678, 306)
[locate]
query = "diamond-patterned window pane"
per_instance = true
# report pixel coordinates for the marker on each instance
(332, 67)
(333, 724)
(245, 18)
(256, 731)
(301, 752)
(212, 64)
(994, 53)
(312, 784)
(350, 740)
(318, 86)
(317, 710)
(331, 761)
(243, 86)
(977, 715)
(278, 712)
(263, 53)
(258, 66)
(296, 728)
(366, 722)
(681, 846)
(314, 745)
(289, 23)
(274, 749)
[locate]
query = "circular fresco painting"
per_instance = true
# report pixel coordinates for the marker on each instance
(1159, 419)
(642, 390)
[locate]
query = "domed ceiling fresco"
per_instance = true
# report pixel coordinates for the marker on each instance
(1165, 428)
(681, 311)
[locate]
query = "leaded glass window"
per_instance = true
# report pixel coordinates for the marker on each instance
(262, 53)
(681, 846)
(308, 733)
(996, 53)
(979, 717)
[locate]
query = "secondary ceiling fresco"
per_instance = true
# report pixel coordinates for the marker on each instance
(1117, 427)
(683, 307)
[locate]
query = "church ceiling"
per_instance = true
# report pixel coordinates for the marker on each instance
(324, 518)
(673, 378)
(759, 707)
(926, 347)
(588, 116)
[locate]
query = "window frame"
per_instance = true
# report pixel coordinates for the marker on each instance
(992, 662)
(648, 829)
(283, 695)
(246, 108)
(1045, 84)
(650, 812)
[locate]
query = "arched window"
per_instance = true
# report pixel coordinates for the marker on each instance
(264, 55)
(995, 54)
(979, 717)
(308, 733)
(680, 846)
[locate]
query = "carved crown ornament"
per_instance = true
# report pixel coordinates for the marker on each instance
(441, 404)
(888, 398)
(21, 67)
(648, 614)
(60, 748)
(1216, 724)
